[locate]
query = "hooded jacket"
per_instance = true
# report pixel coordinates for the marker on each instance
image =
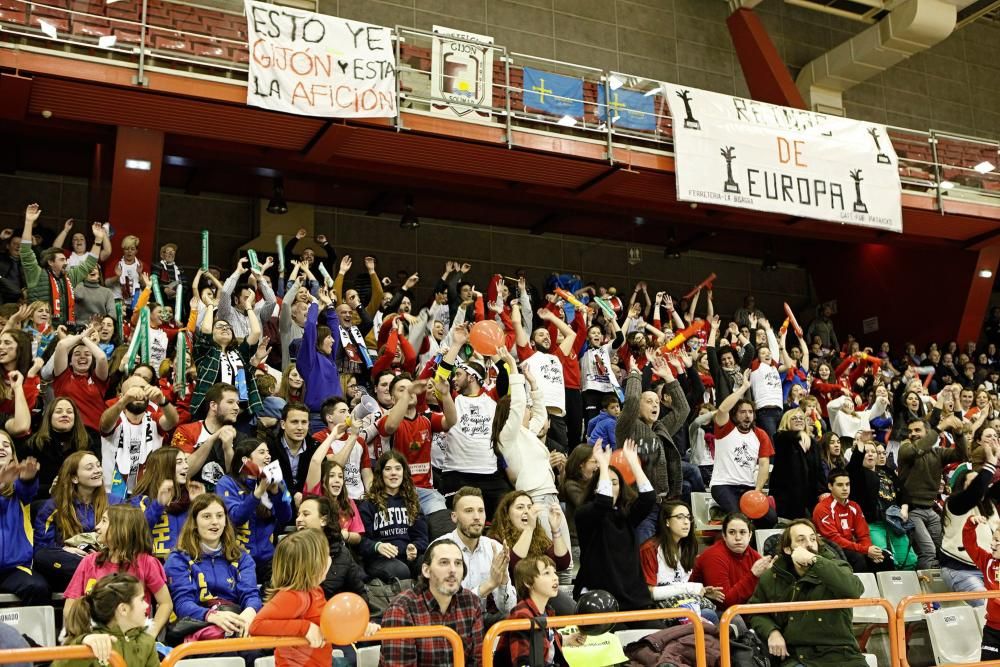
(602, 426)
(193, 582)
(15, 525)
(136, 646)
(165, 526)
(255, 533)
(815, 638)
(47, 535)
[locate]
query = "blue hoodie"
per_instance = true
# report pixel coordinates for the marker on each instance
(166, 527)
(193, 582)
(16, 532)
(602, 426)
(318, 370)
(254, 534)
(47, 535)
(393, 527)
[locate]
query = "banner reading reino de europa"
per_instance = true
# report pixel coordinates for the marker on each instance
(317, 65)
(737, 152)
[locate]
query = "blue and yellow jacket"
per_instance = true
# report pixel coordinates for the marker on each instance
(195, 585)
(255, 534)
(16, 533)
(166, 527)
(47, 536)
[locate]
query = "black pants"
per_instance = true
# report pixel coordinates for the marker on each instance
(388, 569)
(557, 439)
(991, 644)
(574, 418)
(57, 566)
(27, 585)
(860, 562)
(493, 486)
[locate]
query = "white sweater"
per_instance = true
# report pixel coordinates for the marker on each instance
(527, 457)
(846, 424)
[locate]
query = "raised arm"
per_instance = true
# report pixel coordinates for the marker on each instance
(722, 414)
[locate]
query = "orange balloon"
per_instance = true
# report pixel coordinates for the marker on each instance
(754, 504)
(619, 461)
(345, 619)
(486, 337)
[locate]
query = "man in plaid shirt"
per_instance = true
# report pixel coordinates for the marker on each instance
(438, 599)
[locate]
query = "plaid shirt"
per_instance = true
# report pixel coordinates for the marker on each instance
(208, 357)
(418, 607)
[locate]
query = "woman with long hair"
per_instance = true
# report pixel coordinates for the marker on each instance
(243, 491)
(344, 508)
(124, 545)
(343, 575)
(65, 524)
(825, 386)
(111, 616)
(668, 559)
(80, 371)
(731, 563)
(796, 480)
(580, 468)
(18, 486)
(108, 337)
(606, 524)
(60, 434)
(292, 388)
(15, 355)
(212, 578)
(221, 357)
(164, 495)
(517, 525)
(395, 529)
(831, 453)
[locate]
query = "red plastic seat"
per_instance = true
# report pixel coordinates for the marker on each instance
(19, 17)
(91, 27)
(168, 42)
(208, 50)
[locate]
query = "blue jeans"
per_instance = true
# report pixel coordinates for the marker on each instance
(728, 497)
(962, 581)
(768, 419)
(647, 527)
(431, 501)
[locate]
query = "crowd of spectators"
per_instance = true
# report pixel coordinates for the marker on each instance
(162, 448)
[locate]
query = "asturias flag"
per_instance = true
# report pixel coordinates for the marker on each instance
(630, 109)
(553, 93)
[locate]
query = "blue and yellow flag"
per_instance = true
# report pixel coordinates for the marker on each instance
(553, 93)
(629, 109)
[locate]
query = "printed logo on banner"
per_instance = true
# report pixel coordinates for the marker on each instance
(461, 72)
(318, 65)
(737, 152)
(630, 109)
(552, 93)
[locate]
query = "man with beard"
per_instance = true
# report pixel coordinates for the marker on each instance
(806, 572)
(740, 446)
(209, 442)
(547, 362)
(486, 560)
(126, 443)
(438, 599)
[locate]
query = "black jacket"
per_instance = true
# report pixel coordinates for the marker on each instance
(344, 575)
(278, 453)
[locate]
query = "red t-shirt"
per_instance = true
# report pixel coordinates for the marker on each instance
(84, 390)
(30, 392)
(413, 440)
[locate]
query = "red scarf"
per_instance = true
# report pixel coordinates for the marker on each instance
(56, 292)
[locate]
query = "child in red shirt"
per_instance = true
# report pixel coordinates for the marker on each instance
(988, 563)
(295, 600)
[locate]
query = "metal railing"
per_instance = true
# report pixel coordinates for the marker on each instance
(208, 40)
(817, 605)
(46, 653)
(216, 646)
(513, 625)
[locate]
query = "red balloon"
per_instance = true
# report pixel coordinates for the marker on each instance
(754, 504)
(486, 337)
(345, 619)
(619, 461)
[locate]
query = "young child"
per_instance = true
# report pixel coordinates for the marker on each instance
(536, 582)
(126, 545)
(18, 486)
(988, 562)
(295, 600)
(602, 427)
(111, 617)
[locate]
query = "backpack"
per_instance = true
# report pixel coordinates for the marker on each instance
(381, 593)
(747, 650)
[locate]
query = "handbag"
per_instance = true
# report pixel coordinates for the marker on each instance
(180, 631)
(381, 594)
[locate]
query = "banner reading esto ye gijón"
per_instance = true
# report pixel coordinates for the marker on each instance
(737, 152)
(313, 64)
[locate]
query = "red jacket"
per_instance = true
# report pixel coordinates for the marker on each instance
(290, 614)
(718, 566)
(843, 524)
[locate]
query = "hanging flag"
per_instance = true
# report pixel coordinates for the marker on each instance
(553, 93)
(629, 109)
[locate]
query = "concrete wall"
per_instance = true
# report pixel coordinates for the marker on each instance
(952, 87)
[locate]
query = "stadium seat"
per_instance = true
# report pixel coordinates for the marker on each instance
(39, 623)
(761, 535)
(701, 504)
(931, 582)
(897, 585)
(226, 661)
(267, 661)
(954, 637)
(368, 656)
(869, 615)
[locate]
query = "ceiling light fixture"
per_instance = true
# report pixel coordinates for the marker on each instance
(985, 273)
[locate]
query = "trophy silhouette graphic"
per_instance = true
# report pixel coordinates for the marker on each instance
(689, 122)
(859, 206)
(729, 154)
(882, 158)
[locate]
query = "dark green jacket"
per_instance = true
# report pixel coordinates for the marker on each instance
(136, 646)
(815, 638)
(36, 278)
(920, 466)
